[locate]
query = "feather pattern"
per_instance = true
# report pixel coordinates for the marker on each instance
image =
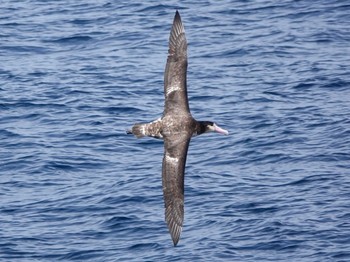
(174, 161)
(175, 87)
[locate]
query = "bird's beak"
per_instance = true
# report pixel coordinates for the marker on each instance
(220, 130)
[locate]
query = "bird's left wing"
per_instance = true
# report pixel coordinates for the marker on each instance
(175, 86)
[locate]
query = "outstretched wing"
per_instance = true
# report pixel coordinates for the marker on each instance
(175, 88)
(174, 161)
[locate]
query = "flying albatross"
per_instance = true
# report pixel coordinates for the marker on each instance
(175, 127)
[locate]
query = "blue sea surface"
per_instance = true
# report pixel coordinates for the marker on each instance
(74, 75)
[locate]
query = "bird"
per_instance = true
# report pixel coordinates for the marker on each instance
(175, 127)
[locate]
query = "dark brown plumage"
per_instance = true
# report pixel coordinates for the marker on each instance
(175, 127)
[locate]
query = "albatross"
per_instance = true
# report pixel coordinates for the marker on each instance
(176, 127)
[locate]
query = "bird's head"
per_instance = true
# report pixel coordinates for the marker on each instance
(208, 126)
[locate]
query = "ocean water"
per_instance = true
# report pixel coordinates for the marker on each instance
(74, 75)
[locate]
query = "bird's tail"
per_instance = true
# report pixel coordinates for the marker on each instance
(138, 130)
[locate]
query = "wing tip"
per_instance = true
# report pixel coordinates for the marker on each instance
(174, 217)
(175, 234)
(175, 240)
(177, 18)
(177, 15)
(177, 38)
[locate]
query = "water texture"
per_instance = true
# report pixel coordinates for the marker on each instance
(74, 75)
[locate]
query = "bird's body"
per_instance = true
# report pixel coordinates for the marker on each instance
(175, 127)
(168, 126)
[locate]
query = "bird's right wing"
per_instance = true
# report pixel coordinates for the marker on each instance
(174, 161)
